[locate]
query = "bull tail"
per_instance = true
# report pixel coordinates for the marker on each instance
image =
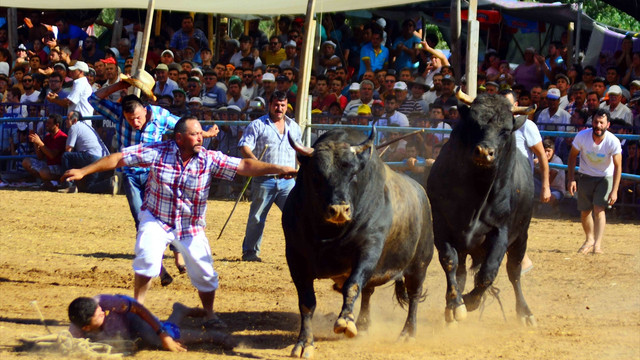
(401, 294)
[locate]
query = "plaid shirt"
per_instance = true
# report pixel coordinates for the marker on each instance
(161, 121)
(176, 194)
(180, 40)
(262, 132)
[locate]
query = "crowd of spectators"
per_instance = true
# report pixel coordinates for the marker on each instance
(373, 72)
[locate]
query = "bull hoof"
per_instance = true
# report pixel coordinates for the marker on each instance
(448, 315)
(346, 326)
(528, 320)
(460, 312)
(301, 351)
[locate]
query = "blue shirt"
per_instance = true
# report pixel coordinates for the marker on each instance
(404, 60)
(378, 60)
(160, 123)
(262, 132)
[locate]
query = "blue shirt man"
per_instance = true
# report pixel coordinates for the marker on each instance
(373, 56)
(266, 137)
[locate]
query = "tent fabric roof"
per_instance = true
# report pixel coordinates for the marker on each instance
(229, 7)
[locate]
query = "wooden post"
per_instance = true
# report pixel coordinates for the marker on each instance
(142, 45)
(570, 30)
(116, 33)
(12, 30)
(302, 114)
(472, 49)
(210, 26)
(456, 29)
(158, 27)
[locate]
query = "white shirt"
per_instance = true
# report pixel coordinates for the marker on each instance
(596, 160)
(526, 137)
(79, 96)
(397, 118)
(558, 182)
(621, 112)
(561, 117)
(30, 98)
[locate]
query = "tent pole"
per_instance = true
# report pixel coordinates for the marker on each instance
(302, 97)
(116, 32)
(140, 55)
(578, 32)
(158, 22)
(210, 25)
(12, 30)
(472, 49)
(456, 27)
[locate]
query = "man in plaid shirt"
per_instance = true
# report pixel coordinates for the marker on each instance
(137, 124)
(175, 203)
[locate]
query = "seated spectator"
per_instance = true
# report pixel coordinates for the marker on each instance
(49, 151)
(194, 89)
(556, 176)
(418, 89)
(179, 105)
(16, 173)
(118, 317)
(616, 108)
(396, 151)
(246, 50)
(562, 83)
(505, 77)
(447, 97)
(90, 51)
(164, 85)
(84, 147)
(437, 120)
(55, 86)
(405, 105)
(327, 57)
(391, 116)
(579, 95)
(14, 110)
(283, 83)
(234, 96)
(30, 94)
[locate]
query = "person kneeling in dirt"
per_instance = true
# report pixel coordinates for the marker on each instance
(119, 317)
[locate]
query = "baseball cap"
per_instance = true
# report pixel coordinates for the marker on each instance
(377, 102)
(329, 42)
(290, 43)
(194, 78)
(233, 108)
(268, 77)
(195, 99)
(354, 87)
(109, 60)
(162, 67)
(179, 91)
(563, 76)
(80, 65)
(492, 83)
(382, 22)
(400, 85)
(114, 51)
(234, 78)
(167, 51)
(197, 70)
(614, 89)
(553, 94)
(364, 109)
(634, 83)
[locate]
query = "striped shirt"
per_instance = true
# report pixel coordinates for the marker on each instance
(176, 194)
(262, 132)
(160, 123)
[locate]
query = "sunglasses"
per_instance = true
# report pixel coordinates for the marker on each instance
(247, 76)
(587, 74)
(27, 80)
(274, 43)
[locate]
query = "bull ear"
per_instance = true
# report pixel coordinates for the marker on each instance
(518, 121)
(358, 149)
(300, 149)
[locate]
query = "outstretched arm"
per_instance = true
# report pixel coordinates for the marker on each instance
(102, 93)
(167, 341)
(252, 167)
(106, 163)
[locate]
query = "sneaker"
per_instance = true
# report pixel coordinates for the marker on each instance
(72, 189)
(114, 185)
(252, 258)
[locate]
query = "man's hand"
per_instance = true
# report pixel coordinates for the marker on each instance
(545, 194)
(212, 132)
(572, 187)
(34, 138)
(72, 174)
(169, 344)
(613, 197)
(288, 172)
(52, 95)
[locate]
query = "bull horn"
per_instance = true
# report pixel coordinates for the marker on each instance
(464, 97)
(301, 150)
(358, 149)
(523, 110)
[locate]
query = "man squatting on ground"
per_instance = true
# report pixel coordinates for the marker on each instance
(175, 203)
(119, 317)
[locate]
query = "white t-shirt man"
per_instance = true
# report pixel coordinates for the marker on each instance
(397, 118)
(79, 96)
(526, 137)
(596, 160)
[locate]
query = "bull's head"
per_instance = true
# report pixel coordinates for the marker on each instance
(489, 124)
(331, 172)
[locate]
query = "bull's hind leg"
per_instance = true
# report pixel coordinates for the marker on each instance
(514, 265)
(413, 283)
(303, 281)
(455, 308)
(496, 241)
(363, 317)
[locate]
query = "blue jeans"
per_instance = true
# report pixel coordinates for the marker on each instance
(97, 183)
(134, 186)
(265, 191)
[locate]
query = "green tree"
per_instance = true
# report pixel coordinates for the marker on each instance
(608, 15)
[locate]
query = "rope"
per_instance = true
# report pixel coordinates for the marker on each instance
(65, 344)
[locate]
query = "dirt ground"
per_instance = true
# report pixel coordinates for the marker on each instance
(55, 247)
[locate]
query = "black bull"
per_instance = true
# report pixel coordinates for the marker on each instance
(481, 192)
(354, 220)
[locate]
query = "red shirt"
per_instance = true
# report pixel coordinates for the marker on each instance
(55, 142)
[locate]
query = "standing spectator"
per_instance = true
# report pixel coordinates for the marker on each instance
(328, 58)
(234, 96)
(404, 48)
(529, 73)
(178, 217)
(556, 177)
(246, 50)
(447, 97)
(180, 39)
(77, 100)
(588, 75)
(374, 56)
(90, 52)
(69, 34)
(366, 97)
(275, 53)
(562, 84)
(49, 151)
(391, 116)
(293, 59)
(267, 137)
(598, 180)
(55, 86)
(616, 109)
(553, 115)
(418, 89)
(213, 96)
(324, 98)
(249, 87)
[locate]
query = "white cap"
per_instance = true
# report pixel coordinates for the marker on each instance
(115, 52)
(80, 65)
(354, 87)
(234, 108)
(614, 89)
(291, 43)
(195, 99)
(553, 94)
(400, 85)
(329, 42)
(167, 51)
(268, 77)
(382, 22)
(4, 68)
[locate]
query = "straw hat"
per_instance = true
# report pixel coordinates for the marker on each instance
(143, 81)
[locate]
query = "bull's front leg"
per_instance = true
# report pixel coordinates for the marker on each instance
(455, 307)
(360, 274)
(496, 242)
